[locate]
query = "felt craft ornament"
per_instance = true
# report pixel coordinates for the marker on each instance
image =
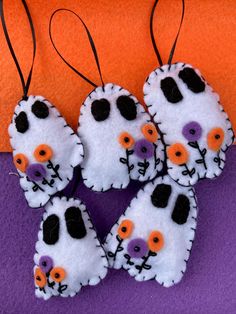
(68, 252)
(45, 148)
(195, 127)
(119, 139)
(154, 236)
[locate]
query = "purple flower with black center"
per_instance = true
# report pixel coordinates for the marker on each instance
(36, 172)
(137, 248)
(144, 149)
(45, 264)
(192, 131)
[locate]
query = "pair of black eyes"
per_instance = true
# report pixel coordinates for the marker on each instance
(160, 198)
(39, 109)
(189, 77)
(100, 108)
(74, 224)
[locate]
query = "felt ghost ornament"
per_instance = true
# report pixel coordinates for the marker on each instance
(120, 141)
(68, 252)
(154, 236)
(45, 149)
(196, 129)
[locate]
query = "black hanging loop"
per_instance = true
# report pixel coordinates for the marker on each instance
(91, 44)
(176, 38)
(25, 84)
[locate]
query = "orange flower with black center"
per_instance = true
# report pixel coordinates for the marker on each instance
(125, 229)
(150, 132)
(126, 140)
(215, 138)
(21, 162)
(177, 154)
(40, 278)
(58, 274)
(155, 241)
(43, 153)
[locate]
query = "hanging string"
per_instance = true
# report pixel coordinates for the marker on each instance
(25, 84)
(91, 44)
(176, 38)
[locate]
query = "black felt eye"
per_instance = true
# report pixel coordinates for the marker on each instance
(51, 229)
(100, 109)
(171, 90)
(160, 196)
(192, 80)
(181, 210)
(127, 107)
(21, 122)
(74, 223)
(40, 109)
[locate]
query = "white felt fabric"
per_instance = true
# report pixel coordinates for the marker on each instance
(83, 260)
(53, 131)
(101, 168)
(203, 108)
(169, 265)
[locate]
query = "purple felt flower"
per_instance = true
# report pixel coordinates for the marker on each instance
(137, 248)
(192, 131)
(45, 263)
(36, 172)
(144, 149)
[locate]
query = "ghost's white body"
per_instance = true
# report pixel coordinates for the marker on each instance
(169, 264)
(200, 106)
(83, 260)
(101, 168)
(54, 132)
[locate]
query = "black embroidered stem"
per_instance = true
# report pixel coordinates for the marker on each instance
(55, 170)
(156, 160)
(91, 44)
(176, 38)
(128, 257)
(145, 259)
(25, 84)
(217, 159)
(143, 167)
(188, 171)
(119, 248)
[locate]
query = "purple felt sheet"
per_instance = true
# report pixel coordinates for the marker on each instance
(208, 286)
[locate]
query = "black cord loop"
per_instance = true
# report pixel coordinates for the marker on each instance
(25, 84)
(176, 38)
(91, 44)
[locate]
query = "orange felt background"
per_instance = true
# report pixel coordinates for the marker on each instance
(120, 30)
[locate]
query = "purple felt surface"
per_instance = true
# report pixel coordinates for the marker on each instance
(209, 285)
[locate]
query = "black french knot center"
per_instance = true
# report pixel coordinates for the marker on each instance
(100, 109)
(126, 140)
(57, 275)
(150, 131)
(44, 263)
(37, 173)
(127, 107)
(38, 278)
(156, 240)
(21, 122)
(192, 80)
(42, 152)
(40, 109)
(192, 131)
(217, 136)
(144, 149)
(18, 161)
(123, 229)
(171, 90)
(137, 248)
(178, 154)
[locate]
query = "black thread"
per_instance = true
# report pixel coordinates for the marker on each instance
(91, 44)
(172, 51)
(25, 84)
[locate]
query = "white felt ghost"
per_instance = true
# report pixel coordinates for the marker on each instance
(68, 252)
(195, 128)
(119, 140)
(154, 236)
(45, 149)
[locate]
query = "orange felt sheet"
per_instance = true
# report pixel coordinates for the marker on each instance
(120, 30)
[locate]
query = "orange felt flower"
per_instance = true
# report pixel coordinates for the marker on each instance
(150, 132)
(126, 140)
(155, 241)
(20, 162)
(58, 274)
(125, 229)
(215, 138)
(40, 278)
(178, 154)
(43, 153)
